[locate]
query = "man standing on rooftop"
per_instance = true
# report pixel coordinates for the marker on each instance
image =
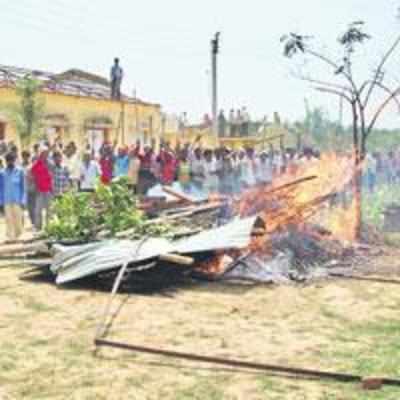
(116, 77)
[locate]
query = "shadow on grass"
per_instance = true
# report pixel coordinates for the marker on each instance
(165, 280)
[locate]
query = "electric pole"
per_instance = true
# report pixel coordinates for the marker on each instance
(214, 73)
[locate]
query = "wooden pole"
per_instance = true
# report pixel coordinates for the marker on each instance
(102, 326)
(336, 376)
(180, 196)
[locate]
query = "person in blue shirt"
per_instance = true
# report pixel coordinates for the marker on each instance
(13, 197)
(121, 165)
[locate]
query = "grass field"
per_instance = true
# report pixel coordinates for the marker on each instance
(46, 336)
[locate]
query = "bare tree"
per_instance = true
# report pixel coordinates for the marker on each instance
(343, 84)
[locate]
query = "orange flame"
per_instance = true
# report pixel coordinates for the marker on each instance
(319, 180)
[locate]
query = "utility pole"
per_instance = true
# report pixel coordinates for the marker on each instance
(214, 73)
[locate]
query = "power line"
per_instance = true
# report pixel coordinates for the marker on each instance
(32, 25)
(62, 29)
(61, 23)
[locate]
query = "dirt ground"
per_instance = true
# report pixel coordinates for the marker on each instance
(46, 339)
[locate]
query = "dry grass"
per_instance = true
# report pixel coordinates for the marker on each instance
(46, 337)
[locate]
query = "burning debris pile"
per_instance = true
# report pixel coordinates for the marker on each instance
(307, 226)
(293, 230)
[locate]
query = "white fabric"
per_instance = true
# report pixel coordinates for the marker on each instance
(264, 171)
(89, 175)
(73, 164)
(197, 168)
(210, 177)
(248, 171)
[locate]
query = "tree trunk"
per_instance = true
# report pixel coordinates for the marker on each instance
(357, 196)
(357, 176)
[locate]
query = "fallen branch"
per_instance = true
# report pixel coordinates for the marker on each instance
(290, 184)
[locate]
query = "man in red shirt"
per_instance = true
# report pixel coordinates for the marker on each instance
(169, 164)
(107, 164)
(146, 176)
(43, 181)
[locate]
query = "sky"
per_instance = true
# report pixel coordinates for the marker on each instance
(164, 47)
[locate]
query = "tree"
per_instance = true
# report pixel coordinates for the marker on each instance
(343, 84)
(318, 127)
(29, 112)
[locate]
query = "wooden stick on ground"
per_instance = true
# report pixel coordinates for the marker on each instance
(12, 249)
(180, 196)
(367, 278)
(177, 259)
(195, 210)
(102, 326)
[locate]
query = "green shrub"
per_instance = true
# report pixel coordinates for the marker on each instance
(111, 208)
(374, 204)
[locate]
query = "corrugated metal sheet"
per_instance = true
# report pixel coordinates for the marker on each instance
(78, 262)
(105, 256)
(235, 235)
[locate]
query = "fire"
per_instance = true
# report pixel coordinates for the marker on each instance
(342, 222)
(308, 191)
(309, 197)
(216, 265)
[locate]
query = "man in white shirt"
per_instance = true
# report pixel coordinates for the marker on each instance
(89, 173)
(264, 169)
(73, 164)
(197, 168)
(210, 169)
(249, 167)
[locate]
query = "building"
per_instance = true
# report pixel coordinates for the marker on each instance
(78, 108)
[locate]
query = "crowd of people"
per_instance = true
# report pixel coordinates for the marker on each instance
(32, 180)
(381, 168)
(235, 124)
